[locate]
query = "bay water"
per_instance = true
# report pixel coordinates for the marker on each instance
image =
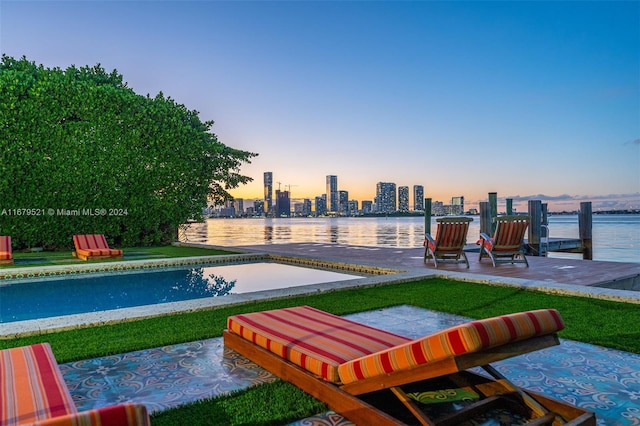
(616, 237)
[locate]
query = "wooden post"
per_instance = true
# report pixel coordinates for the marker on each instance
(535, 226)
(509, 206)
(427, 215)
(485, 218)
(493, 204)
(585, 227)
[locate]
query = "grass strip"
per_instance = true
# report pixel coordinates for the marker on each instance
(594, 321)
(600, 322)
(48, 258)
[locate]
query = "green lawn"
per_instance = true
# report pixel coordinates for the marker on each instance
(589, 320)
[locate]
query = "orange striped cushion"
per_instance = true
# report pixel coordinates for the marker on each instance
(312, 339)
(99, 252)
(469, 337)
(120, 415)
(5, 247)
(31, 386)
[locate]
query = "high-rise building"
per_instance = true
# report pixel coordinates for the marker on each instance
(238, 204)
(258, 208)
(366, 206)
(343, 203)
(385, 197)
(353, 207)
(457, 205)
(403, 199)
(321, 205)
(268, 193)
(306, 207)
(418, 197)
(283, 204)
(332, 193)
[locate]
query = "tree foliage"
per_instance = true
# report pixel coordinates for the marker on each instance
(80, 152)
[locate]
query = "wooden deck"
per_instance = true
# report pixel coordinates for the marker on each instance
(618, 275)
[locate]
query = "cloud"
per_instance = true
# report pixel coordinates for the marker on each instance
(566, 202)
(567, 197)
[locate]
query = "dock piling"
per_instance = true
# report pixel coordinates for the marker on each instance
(535, 226)
(427, 215)
(585, 226)
(485, 218)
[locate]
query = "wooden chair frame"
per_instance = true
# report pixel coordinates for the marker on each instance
(451, 237)
(350, 400)
(507, 244)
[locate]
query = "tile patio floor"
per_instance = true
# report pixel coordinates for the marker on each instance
(602, 380)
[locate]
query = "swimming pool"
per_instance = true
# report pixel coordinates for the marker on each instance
(40, 298)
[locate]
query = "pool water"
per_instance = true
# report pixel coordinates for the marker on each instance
(43, 298)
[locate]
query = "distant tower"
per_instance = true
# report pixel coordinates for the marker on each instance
(386, 197)
(321, 205)
(283, 204)
(457, 205)
(343, 202)
(403, 198)
(418, 197)
(268, 193)
(332, 193)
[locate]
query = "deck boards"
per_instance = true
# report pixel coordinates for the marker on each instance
(564, 271)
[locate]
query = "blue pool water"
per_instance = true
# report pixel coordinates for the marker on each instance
(42, 298)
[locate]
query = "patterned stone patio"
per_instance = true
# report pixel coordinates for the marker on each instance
(599, 379)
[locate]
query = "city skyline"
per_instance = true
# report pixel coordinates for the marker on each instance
(527, 99)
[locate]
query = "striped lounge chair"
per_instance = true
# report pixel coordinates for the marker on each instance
(374, 377)
(448, 246)
(33, 392)
(6, 255)
(507, 244)
(93, 246)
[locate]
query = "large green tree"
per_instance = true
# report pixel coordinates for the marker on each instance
(80, 152)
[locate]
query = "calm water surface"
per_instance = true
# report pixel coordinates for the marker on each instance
(615, 237)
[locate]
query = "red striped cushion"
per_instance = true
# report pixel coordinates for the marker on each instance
(466, 338)
(93, 245)
(5, 247)
(451, 235)
(312, 339)
(117, 415)
(509, 235)
(31, 386)
(90, 241)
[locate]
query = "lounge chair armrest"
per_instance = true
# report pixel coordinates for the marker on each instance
(429, 238)
(484, 236)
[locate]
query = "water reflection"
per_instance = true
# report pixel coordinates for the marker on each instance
(200, 286)
(615, 237)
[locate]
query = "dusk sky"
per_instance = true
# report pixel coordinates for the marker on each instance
(527, 99)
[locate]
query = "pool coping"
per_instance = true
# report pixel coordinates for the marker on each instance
(375, 276)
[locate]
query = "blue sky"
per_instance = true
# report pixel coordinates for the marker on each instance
(526, 99)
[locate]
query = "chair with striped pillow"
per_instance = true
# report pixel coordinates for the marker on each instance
(93, 246)
(507, 244)
(33, 392)
(451, 237)
(6, 254)
(355, 368)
